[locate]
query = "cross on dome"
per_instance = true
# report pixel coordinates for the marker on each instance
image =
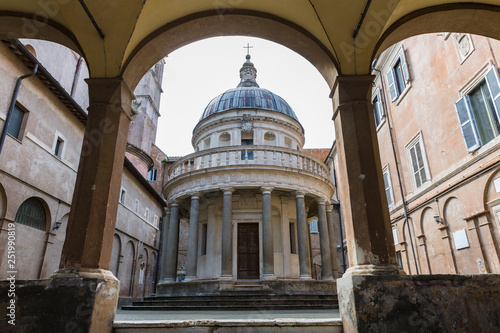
(248, 73)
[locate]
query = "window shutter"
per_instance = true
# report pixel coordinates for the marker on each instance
(414, 164)
(387, 188)
(391, 80)
(380, 104)
(494, 87)
(404, 66)
(420, 162)
(467, 123)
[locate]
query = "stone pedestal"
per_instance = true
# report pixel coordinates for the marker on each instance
(72, 302)
(420, 303)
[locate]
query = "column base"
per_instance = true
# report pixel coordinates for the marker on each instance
(73, 299)
(420, 303)
(305, 277)
(269, 277)
(190, 278)
(167, 281)
(226, 278)
(374, 270)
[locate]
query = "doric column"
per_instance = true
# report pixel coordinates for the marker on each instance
(192, 254)
(303, 238)
(324, 242)
(331, 234)
(364, 205)
(267, 234)
(227, 235)
(163, 254)
(89, 236)
(170, 260)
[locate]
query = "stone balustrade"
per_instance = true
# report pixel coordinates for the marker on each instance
(249, 155)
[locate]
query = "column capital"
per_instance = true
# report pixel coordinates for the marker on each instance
(329, 208)
(172, 203)
(321, 201)
(196, 195)
(266, 190)
(113, 92)
(300, 194)
(228, 190)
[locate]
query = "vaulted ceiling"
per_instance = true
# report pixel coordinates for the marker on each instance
(125, 38)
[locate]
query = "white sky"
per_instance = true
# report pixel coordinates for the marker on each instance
(200, 71)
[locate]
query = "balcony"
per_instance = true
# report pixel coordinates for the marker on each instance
(249, 156)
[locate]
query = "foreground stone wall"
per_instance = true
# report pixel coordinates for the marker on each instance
(424, 303)
(60, 305)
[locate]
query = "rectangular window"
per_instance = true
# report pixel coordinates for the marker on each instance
(146, 214)
(59, 147)
(123, 195)
(247, 154)
(136, 206)
(378, 107)
(293, 238)
(417, 162)
(15, 125)
(388, 187)
(399, 259)
(313, 227)
(398, 76)
(155, 221)
(479, 112)
(153, 175)
(203, 247)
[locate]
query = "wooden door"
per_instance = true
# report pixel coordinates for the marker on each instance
(248, 251)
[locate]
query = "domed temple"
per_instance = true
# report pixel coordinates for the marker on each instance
(248, 192)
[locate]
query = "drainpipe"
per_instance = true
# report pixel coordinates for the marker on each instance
(344, 266)
(397, 167)
(13, 104)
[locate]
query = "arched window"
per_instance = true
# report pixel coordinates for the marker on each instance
(32, 213)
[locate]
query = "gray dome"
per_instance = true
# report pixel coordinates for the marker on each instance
(248, 98)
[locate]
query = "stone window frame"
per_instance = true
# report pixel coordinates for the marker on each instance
(418, 138)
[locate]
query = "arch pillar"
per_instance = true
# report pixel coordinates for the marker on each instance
(89, 236)
(86, 253)
(367, 223)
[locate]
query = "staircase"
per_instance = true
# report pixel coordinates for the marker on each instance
(251, 299)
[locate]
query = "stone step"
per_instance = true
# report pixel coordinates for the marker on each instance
(238, 302)
(333, 325)
(232, 296)
(222, 307)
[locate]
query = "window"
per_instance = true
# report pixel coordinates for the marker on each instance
(155, 220)
(399, 259)
(398, 76)
(203, 247)
(388, 187)
(313, 227)
(32, 213)
(417, 162)
(153, 175)
(136, 206)
(16, 121)
(247, 154)
(479, 112)
(378, 108)
(59, 147)
(395, 236)
(293, 238)
(123, 195)
(146, 214)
